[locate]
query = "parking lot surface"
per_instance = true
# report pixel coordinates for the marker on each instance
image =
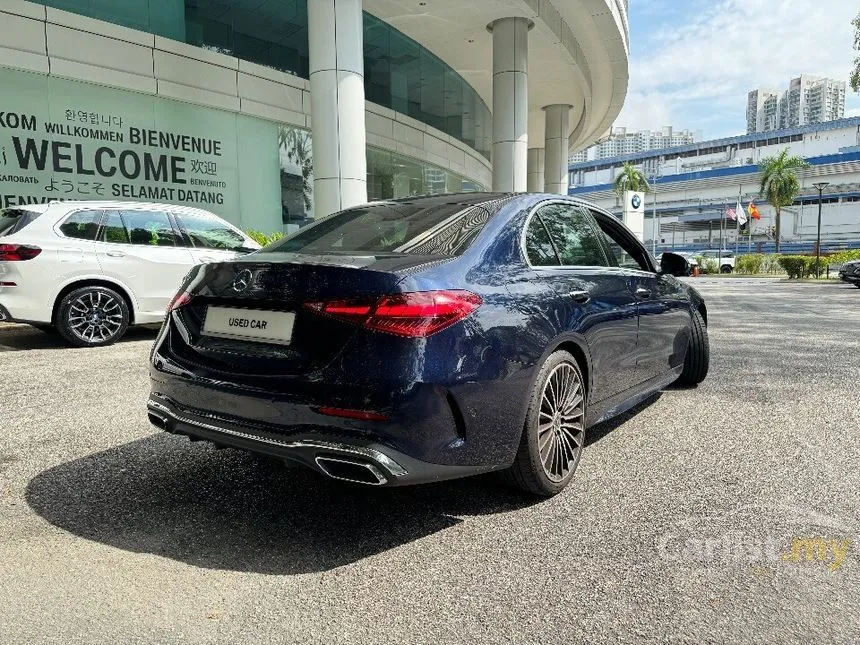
(726, 513)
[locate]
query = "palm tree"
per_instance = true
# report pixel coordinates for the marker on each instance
(631, 178)
(779, 183)
(297, 143)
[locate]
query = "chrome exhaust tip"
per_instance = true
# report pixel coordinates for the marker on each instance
(351, 470)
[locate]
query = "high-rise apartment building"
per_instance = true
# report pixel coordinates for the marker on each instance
(622, 142)
(808, 99)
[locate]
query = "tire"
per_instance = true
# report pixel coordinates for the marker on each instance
(726, 268)
(698, 353)
(545, 424)
(92, 317)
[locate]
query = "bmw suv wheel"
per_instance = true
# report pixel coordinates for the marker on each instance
(92, 317)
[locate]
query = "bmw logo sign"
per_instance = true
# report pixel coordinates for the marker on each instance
(636, 201)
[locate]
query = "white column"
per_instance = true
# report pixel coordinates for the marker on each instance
(535, 167)
(510, 102)
(557, 133)
(335, 40)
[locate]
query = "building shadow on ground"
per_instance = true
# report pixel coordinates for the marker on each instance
(20, 338)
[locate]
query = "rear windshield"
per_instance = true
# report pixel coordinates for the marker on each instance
(13, 220)
(391, 227)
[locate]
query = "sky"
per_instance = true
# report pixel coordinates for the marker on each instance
(692, 62)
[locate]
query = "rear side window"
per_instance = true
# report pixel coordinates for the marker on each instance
(539, 247)
(210, 233)
(149, 228)
(82, 225)
(391, 227)
(13, 220)
(575, 238)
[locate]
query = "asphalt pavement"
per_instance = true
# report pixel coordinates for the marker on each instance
(725, 513)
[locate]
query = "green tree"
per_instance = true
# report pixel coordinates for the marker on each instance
(779, 183)
(297, 143)
(854, 78)
(631, 178)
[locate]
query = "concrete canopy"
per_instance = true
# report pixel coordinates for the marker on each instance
(578, 52)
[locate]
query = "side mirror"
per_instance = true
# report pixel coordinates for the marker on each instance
(674, 264)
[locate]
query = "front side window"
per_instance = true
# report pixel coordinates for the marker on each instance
(210, 233)
(625, 250)
(149, 228)
(82, 225)
(575, 239)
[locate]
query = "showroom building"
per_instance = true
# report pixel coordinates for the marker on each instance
(271, 112)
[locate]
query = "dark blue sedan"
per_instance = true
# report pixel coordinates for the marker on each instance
(416, 340)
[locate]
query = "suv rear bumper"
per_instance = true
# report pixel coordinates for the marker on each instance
(339, 456)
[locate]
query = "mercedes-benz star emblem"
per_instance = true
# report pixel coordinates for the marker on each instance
(635, 201)
(242, 280)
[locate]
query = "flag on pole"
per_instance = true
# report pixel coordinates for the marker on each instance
(753, 211)
(742, 218)
(730, 213)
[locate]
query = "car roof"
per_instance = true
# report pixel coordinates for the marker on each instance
(127, 205)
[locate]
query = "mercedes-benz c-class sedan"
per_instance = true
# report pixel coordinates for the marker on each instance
(416, 340)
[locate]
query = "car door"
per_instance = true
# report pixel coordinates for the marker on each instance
(210, 238)
(141, 249)
(662, 303)
(76, 246)
(581, 294)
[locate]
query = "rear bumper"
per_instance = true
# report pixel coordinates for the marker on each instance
(14, 306)
(358, 459)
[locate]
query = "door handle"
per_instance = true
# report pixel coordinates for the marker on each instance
(115, 254)
(642, 292)
(580, 296)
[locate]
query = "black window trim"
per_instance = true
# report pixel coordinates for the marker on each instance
(583, 208)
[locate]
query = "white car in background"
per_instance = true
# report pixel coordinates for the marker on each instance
(725, 259)
(91, 269)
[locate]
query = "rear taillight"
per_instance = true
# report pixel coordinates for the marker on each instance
(180, 300)
(416, 314)
(18, 252)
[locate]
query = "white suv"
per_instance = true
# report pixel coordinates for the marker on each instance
(725, 259)
(91, 269)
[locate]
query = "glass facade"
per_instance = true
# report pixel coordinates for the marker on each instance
(398, 72)
(389, 176)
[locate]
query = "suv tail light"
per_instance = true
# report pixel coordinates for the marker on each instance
(18, 252)
(416, 314)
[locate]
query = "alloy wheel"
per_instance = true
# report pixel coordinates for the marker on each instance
(561, 422)
(95, 317)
